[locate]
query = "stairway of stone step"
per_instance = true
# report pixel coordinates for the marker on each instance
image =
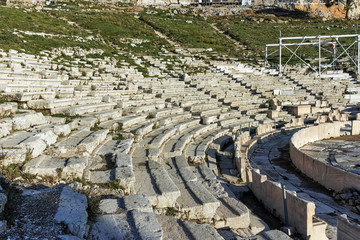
(178, 229)
(112, 162)
(130, 217)
(194, 199)
(220, 149)
(153, 180)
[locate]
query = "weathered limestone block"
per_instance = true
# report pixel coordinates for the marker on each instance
(72, 212)
(168, 191)
(24, 121)
(355, 127)
(112, 226)
(35, 145)
(322, 119)
(47, 136)
(122, 160)
(5, 127)
(8, 109)
(202, 231)
(140, 202)
(302, 110)
(264, 128)
(74, 167)
(275, 235)
(273, 114)
(110, 206)
(146, 225)
(358, 116)
(232, 213)
(81, 142)
(62, 130)
(20, 145)
(57, 167)
(87, 122)
(295, 122)
(125, 176)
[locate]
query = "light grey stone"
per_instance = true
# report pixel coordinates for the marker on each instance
(146, 225)
(202, 231)
(47, 136)
(62, 130)
(49, 166)
(72, 212)
(112, 226)
(122, 160)
(109, 205)
(139, 202)
(24, 121)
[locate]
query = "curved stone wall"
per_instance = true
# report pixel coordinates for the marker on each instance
(301, 212)
(327, 175)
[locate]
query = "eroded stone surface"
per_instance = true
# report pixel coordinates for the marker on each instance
(72, 212)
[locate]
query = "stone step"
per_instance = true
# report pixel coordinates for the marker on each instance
(195, 201)
(28, 96)
(81, 142)
(176, 145)
(139, 202)
(106, 115)
(166, 112)
(21, 146)
(72, 212)
(154, 181)
(177, 229)
(86, 109)
(123, 123)
(196, 151)
(200, 130)
(64, 168)
(26, 120)
(202, 231)
(123, 173)
(127, 122)
(113, 163)
(205, 172)
(177, 118)
(197, 109)
(161, 138)
(131, 225)
(232, 213)
(143, 109)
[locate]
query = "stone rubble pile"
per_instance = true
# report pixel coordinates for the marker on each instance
(349, 198)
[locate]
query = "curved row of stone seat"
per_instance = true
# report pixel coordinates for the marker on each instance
(133, 217)
(255, 153)
(191, 198)
(164, 135)
(332, 91)
(297, 94)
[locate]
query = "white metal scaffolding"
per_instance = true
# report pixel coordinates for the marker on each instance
(334, 41)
